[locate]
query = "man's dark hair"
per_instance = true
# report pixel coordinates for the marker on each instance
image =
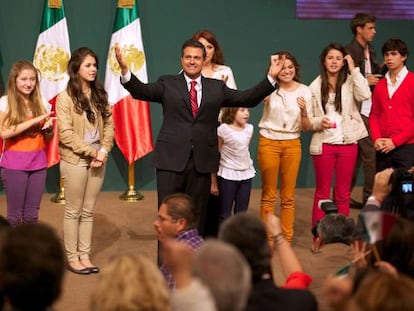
(180, 205)
(336, 228)
(360, 20)
(395, 44)
(32, 265)
(194, 44)
(248, 234)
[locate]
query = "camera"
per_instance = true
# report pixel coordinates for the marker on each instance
(328, 207)
(406, 183)
(401, 198)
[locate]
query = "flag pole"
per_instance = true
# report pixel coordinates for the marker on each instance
(60, 196)
(131, 195)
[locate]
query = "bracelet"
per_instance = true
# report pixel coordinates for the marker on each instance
(278, 238)
(103, 150)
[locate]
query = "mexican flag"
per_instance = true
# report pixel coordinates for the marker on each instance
(51, 57)
(132, 119)
(376, 225)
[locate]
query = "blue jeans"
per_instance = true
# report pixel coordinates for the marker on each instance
(235, 193)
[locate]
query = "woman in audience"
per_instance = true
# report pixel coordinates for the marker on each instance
(131, 283)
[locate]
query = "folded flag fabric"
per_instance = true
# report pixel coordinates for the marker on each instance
(376, 225)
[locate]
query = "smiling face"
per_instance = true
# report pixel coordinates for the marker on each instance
(334, 61)
(26, 82)
(192, 61)
(288, 72)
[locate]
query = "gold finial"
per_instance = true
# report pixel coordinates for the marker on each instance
(126, 4)
(55, 4)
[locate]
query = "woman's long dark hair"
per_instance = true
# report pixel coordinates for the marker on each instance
(342, 76)
(99, 97)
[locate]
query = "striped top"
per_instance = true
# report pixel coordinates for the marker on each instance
(23, 152)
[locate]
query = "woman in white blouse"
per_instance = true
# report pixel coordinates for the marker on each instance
(279, 149)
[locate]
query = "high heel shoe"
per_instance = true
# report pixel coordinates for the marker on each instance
(93, 269)
(83, 271)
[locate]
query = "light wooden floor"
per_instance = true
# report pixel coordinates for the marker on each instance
(126, 227)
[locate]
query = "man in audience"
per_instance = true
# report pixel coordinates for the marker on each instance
(214, 277)
(225, 272)
(248, 234)
(176, 219)
(32, 265)
(331, 254)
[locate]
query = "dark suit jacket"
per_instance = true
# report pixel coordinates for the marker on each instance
(181, 134)
(357, 53)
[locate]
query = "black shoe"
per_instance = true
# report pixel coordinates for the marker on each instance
(355, 204)
(93, 269)
(83, 271)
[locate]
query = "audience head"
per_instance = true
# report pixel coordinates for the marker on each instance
(248, 234)
(175, 215)
(336, 228)
(213, 49)
(32, 265)
(397, 247)
(395, 44)
(360, 20)
(400, 199)
(225, 272)
(385, 292)
(130, 283)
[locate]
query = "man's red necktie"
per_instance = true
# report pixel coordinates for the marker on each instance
(193, 98)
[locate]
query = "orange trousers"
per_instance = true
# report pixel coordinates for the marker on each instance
(279, 160)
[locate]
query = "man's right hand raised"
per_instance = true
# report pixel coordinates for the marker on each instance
(276, 65)
(121, 61)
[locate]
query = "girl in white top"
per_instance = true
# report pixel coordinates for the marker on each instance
(279, 149)
(337, 126)
(236, 166)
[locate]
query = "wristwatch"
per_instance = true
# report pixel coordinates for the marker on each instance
(373, 200)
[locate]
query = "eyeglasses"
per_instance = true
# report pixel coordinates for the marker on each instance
(163, 219)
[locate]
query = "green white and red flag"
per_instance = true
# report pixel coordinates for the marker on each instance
(132, 118)
(51, 57)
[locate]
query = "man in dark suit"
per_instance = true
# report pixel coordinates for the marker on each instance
(186, 151)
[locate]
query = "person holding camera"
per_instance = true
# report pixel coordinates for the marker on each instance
(337, 126)
(331, 252)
